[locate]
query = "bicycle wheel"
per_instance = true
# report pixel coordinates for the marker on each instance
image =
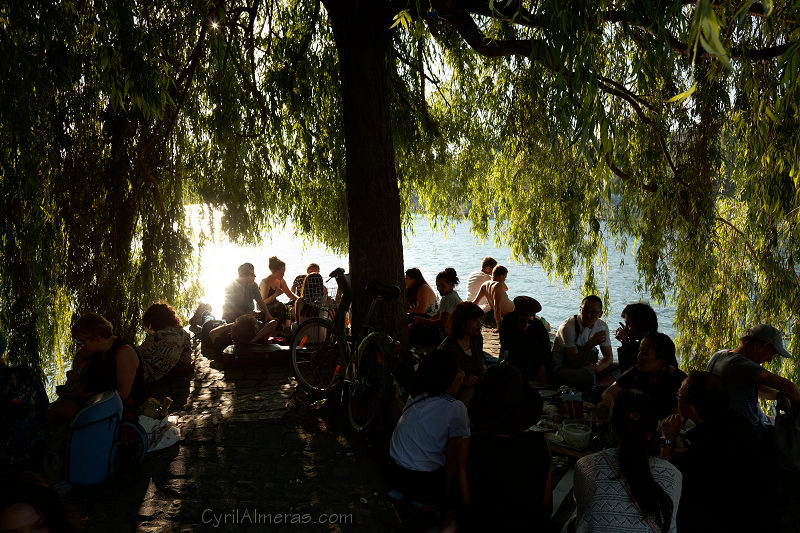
(367, 391)
(316, 360)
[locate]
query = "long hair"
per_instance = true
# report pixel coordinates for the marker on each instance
(463, 311)
(417, 281)
(633, 419)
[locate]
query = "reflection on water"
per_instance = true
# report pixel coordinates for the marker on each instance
(431, 251)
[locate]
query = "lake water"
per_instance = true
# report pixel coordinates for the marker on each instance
(431, 251)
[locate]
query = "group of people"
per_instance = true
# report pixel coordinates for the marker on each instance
(673, 441)
(252, 313)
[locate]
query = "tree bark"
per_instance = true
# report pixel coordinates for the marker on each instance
(362, 33)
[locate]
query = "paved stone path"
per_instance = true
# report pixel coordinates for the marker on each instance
(255, 453)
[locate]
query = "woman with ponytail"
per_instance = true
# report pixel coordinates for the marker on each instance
(625, 490)
(431, 331)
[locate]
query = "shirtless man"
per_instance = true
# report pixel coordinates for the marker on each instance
(495, 292)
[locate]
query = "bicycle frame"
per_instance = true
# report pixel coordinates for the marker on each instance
(366, 327)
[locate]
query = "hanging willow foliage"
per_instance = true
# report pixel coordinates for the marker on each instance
(554, 125)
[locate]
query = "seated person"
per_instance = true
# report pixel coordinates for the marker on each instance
(431, 331)
(273, 286)
(748, 381)
(167, 349)
(524, 341)
(466, 342)
(104, 362)
(575, 359)
(241, 293)
(478, 278)
(720, 439)
(313, 296)
(653, 374)
(297, 284)
(624, 489)
(247, 330)
(509, 468)
(429, 445)
(420, 298)
(23, 404)
(640, 319)
(495, 293)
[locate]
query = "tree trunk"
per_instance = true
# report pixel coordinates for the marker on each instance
(361, 30)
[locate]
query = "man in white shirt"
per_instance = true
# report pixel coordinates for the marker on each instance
(575, 358)
(476, 279)
(495, 292)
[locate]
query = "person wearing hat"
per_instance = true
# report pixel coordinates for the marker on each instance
(524, 341)
(509, 468)
(747, 381)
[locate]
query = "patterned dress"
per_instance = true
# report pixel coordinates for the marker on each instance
(603, 504)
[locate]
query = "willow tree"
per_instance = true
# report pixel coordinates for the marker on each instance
(552, 119)
(669, 126)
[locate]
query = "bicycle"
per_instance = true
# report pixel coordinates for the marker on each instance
(325, 358)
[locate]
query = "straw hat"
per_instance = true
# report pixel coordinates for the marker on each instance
(504, 403)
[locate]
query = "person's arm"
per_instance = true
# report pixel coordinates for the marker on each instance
(497, 306)
(578, 358)
(670, 427)
(481, 295)
(769, 385)
(263, 289)
(287, 291)
(127, 363)
(606, 360)
(456, 469)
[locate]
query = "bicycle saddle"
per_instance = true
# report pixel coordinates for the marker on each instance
(387, 292)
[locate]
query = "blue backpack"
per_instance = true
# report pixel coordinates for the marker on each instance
(100, 442)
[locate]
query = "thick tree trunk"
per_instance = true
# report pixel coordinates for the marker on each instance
(361, 29)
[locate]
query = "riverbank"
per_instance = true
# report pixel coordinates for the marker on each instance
(255, 455)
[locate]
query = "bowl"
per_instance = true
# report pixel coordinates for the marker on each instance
(577, 435)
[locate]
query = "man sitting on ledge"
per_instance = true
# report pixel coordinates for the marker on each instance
(575, 359)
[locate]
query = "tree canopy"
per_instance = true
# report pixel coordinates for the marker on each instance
(670, 125)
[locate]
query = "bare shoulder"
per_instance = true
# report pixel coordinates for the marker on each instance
(126, 353)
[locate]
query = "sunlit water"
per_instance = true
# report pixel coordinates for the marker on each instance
(431, 251)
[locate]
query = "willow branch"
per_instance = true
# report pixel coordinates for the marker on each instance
(625, 177)
(741, 234)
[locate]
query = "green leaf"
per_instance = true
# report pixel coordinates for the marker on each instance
(404, 18)
(684, 95)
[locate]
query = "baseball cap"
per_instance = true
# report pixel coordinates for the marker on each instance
(768, 335)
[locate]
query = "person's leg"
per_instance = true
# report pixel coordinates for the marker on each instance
(217, 333)
(268, 329)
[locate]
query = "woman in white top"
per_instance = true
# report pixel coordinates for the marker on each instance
(429, 445)
(625, 489)
(420, 298)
